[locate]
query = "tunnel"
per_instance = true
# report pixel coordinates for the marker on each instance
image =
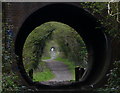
(89, 28)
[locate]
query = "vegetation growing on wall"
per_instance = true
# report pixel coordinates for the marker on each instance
(108, 14)
(10, 80)
(99, 10)
(34, 46)
(113, 83)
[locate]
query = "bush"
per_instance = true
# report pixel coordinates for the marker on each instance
(113, 85)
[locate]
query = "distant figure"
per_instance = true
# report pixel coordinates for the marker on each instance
(52, 52)
(52, 48)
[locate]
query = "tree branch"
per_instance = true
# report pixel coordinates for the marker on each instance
(111, 12)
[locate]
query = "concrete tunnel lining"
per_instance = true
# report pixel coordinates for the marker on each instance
(84, 23)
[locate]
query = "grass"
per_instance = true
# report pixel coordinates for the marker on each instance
(45, 75)
(71, 65)
(45, 58)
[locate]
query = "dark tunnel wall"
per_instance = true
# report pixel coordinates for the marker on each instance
(85, 24)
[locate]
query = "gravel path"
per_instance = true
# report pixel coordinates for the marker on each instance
(60, 70)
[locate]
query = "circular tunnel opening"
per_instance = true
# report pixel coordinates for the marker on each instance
(53, 51)
(85, 24)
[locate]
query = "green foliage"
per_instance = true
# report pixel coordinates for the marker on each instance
(49, 44)
(111, 26)
(45, 58)
(34, 45)
(43, 75)
(100, 11)
(70, 43)
(114, 80)
(68, 40)
(94, 7)
(113, 85)
(9, 82)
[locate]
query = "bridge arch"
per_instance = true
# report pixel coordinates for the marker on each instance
(89, 29)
